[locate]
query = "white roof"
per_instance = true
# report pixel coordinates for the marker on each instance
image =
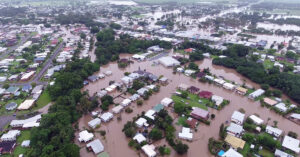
(20, 123)
(232, 153)
(93, 123)
(117, 109)
(256, 119)
(142, 91)
(85, 136)
(31, 124)
(237, 116)
(168, 61)
(219, 81)
(126, 102)
(25, 143)
(281, 107)
(106, 116)
(126, 79)
(217, 99)
(96, 146)
(26, 104)
(186, 134)
(139, 138)
(295, 115)
(149, 150)
(257, 93)
(280, 153)
(291, 143)
(141, 122)
(235, 128)
(166, 101)
(10, 135)
(150, 114)
(274, 131)
(209, 77)
(134, 97)
(228, 86)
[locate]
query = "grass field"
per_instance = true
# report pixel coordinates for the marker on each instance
(25, 135)
(182, 121)
(192, 101)
(246, 149)
(265, 153)
(43, 100)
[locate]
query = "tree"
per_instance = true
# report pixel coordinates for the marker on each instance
(248, 137)
(181, 148)
(193, 66)
(184, 94)
(115, 26)
(222, 132)
(292, 55)
(95, 30)
(265, 86)
(293, 134)
(155, 134)
(82, 35)
(179, 108)
(139, 102)
(6, 86)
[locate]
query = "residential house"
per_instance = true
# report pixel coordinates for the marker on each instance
(149, 150)
(237, 117)
(273, 131)
(235, 129)
(166, 101)
(139, 138)
(291, 144)
(96, 146)
(199, 113)
(235, 142)
(194, 90)
(94, 123)
(205, 94)
(186, 134)
(256, 93)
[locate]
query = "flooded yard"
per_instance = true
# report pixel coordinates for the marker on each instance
(116, 143)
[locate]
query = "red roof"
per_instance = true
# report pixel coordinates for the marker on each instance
(188, 50)
(205, 94)
(191, 122)
(199, 113)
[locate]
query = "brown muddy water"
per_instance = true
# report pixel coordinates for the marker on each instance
(116, 143)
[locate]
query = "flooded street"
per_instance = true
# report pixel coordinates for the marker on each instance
(116, 143)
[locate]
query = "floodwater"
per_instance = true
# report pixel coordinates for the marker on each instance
(272, 26)
(129, 3)
(116, 143)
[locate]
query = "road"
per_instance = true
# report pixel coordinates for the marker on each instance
(39, 75)
(11, 49)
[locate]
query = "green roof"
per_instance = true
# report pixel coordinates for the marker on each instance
(103, 154)
(158, 107)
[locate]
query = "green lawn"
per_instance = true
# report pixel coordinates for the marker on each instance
(43, 100)
(192, 101)
(246, 149)
(268, 64)
(182, 121)
(3, 111)
(25, 135)
(265, 153)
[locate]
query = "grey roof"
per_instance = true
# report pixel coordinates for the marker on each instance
(235, 128)
(96, 146)
(11, 106)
